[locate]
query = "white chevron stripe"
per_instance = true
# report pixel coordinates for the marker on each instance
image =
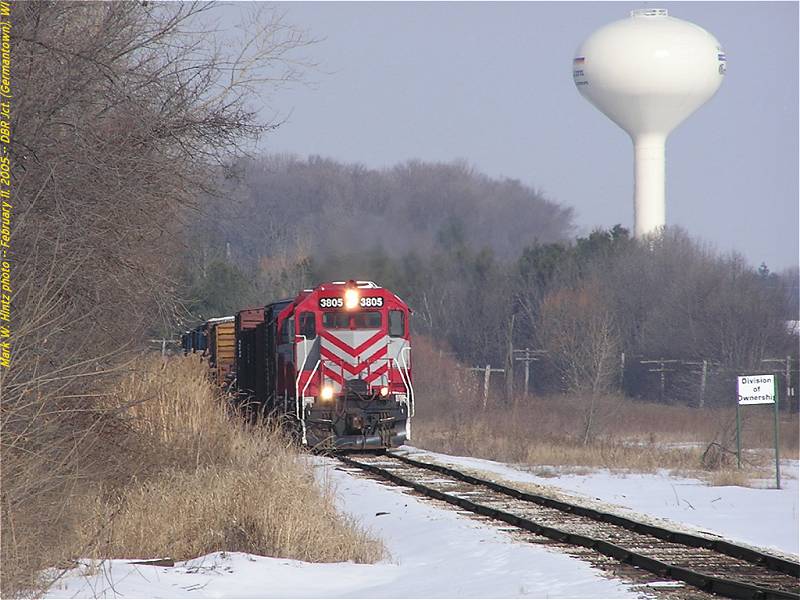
(347, 357)
(352, 338)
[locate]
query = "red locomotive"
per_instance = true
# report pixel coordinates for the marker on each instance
(335, 360)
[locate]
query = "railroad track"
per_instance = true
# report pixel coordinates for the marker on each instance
(712, 565)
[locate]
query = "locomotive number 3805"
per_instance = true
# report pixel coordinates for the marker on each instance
(363, 302)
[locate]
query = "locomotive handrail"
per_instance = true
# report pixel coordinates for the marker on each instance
(305, 387)
(407, 380)
(301, 407)
(299, 375)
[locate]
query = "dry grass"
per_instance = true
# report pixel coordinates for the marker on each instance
(190, 479)
(268, 511)
(229, 485)
(625, 434)
(735, 477)
(518, 436)
(628, 435)
(242, 488)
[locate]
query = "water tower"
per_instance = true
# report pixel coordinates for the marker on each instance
(648, 73)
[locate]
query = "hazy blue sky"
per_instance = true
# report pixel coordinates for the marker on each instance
(491, 83)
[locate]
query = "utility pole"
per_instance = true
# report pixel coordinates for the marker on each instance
(528, 356)
(487, 373)
(662, 370)
(788, 382)
(787, 374)
(703, 372)
(163, 343)
(703, 383)
(510, 362)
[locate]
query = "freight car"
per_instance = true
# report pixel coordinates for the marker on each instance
(214, 339)
(247, 351)
(221, 348)
(335, 360)
(195, 340)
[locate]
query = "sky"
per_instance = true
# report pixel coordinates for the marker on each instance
(491, 84)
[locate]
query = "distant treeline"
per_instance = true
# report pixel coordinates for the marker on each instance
(487, 266)
(280, 205)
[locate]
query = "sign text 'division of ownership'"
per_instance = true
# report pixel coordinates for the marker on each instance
(756, 389)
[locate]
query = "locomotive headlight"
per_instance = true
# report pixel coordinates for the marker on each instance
(384, 391)
(350, 298)
(326, 393)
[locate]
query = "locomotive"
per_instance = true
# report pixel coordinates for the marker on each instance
(334, 360)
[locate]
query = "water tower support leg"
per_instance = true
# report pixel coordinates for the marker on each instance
(649, 212)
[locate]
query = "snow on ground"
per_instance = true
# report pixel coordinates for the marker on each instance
(435, 553)
(439, 553)
(758, 516)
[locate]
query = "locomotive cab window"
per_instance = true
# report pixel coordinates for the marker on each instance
(308, 326)
(397, 323)
(335, 320)
(359, 320)
(367, 320)
(287, 331)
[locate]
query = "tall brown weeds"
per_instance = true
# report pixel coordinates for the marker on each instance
(169, 472)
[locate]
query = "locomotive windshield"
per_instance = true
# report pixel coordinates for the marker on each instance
(356, 320)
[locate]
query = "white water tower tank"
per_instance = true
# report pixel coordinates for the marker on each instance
(648, 73)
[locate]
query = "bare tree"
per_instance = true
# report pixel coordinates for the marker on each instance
(677, 298)
(120, 110)
(581, 337)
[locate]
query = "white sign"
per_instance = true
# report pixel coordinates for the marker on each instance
(756, 389)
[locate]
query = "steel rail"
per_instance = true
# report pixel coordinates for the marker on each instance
(708, 583)
(762, 559)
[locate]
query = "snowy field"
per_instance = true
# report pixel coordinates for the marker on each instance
(439, 553)
(760, 516)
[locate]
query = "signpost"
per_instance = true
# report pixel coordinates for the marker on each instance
(757, 389)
